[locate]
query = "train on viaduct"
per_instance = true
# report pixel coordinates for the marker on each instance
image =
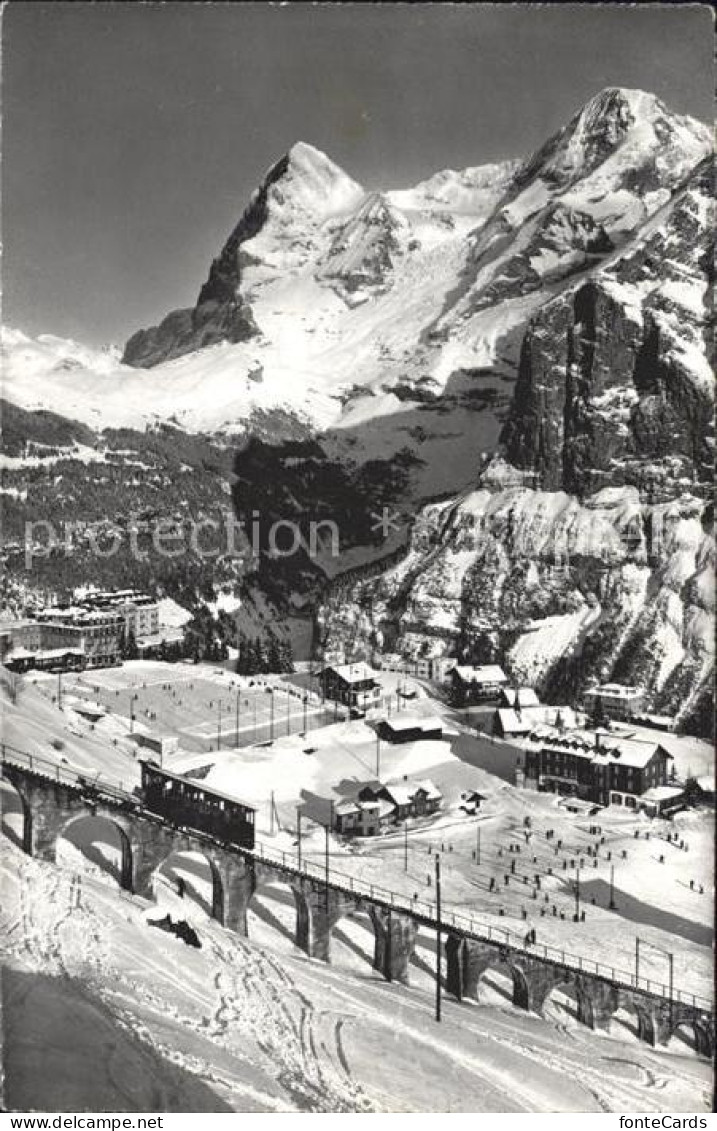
(52, 798)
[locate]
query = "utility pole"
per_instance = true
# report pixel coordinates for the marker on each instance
(478, 845)
(327, 831)
(611, 904)
(298, 835)
(306, 698)
(219, 725)
(438, 937)
(389, 947)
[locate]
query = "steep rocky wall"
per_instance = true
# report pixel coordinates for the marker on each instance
(614, 384)
(219, 313)
(562, 592)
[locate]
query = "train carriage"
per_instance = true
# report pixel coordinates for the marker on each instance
(190, 804)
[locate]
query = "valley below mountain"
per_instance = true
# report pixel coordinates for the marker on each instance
(496, 385)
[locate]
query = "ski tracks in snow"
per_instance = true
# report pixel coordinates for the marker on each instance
(301, 1043)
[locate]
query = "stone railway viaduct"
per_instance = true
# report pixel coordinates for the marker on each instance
(52, 800)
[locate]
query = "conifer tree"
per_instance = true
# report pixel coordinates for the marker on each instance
(131, 650)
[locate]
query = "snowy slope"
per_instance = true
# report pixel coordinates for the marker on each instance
(105, 1013)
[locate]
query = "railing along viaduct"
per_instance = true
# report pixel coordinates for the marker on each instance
(53, 796)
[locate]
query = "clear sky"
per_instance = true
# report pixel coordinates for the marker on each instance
(133, 134)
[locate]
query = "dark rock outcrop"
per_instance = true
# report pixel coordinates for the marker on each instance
(612, 383)
(219, 315)
(183, 331)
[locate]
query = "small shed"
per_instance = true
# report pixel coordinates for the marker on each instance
(660, 799)
(410, 728)
(518, 697)
(472, 801)
(161, 744)
(347, 818)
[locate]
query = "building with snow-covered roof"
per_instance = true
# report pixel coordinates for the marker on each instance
(399, 795)
(128, 609)
(470, 684)
(472, 801)
(354, 685)
(56, 646)
(44, 659)
(660, 799)
(509, 722)
(615, 700)
(410, 728)
(427, 798)
(362, 817)
(519, 697)
(405, 798)
(592, 765)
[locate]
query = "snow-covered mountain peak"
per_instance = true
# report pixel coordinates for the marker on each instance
(308, 181)
(618, 108)
(618, 128)
(474, 191)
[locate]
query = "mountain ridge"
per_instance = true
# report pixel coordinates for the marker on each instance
(534, 329)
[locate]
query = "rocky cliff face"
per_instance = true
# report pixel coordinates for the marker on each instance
(562, 592)
(614, 383)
